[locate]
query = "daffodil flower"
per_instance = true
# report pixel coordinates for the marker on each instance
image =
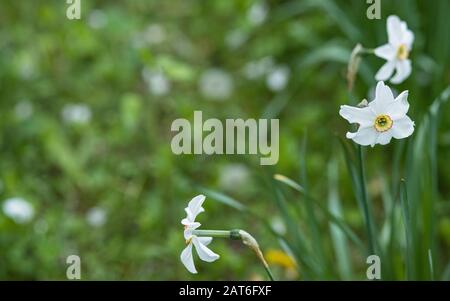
(382, 119)
(395, 52)
(193, 209)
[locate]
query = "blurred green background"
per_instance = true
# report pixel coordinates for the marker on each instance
(85, 113)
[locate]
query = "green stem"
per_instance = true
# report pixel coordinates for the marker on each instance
(269, 273)
(367, 51)
(365, 203)
(237, 234)
(212, 233)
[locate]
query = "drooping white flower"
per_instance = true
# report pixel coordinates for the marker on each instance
(193, 209)
(18, 209)
(382, 119)
(396, 51)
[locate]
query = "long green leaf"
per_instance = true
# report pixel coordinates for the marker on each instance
(335, 220)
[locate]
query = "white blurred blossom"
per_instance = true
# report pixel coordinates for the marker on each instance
(233, 175)
(156, 81)
(152, 35)
(278, 78)
(97, 19)
(183, 47)
(76, 113)
(216, 84)
(96, 217)
(258, 68)
(155, 34)
(236, 38)
(26, 65)
(41, 226)
(23, 109)
(278, 225)
(257, 13)
(18, 209)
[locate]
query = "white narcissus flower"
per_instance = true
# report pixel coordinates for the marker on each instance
(193, 209)
(395, 52)
(382, 119)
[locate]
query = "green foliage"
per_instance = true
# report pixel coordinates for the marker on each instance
(112, 152)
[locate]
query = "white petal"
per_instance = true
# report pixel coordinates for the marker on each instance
(188, 224)
(203, 251)
(362, 116)
(194, 207)
(383, 92)
(384, 138)
(402, 128)
(187, 259)
(403, 71)
(190, 216)
(385, 71)
(364, 136)
(187, 233)
(205, 240)
(399, 107)
(408, 39)
(387, 52)
(383, 97)
(394, 30)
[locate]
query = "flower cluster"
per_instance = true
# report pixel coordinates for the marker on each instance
(385, 117)
(380, 120)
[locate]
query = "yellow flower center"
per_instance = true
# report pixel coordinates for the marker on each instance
(402, 52)
(188, 241)
(383, 123)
